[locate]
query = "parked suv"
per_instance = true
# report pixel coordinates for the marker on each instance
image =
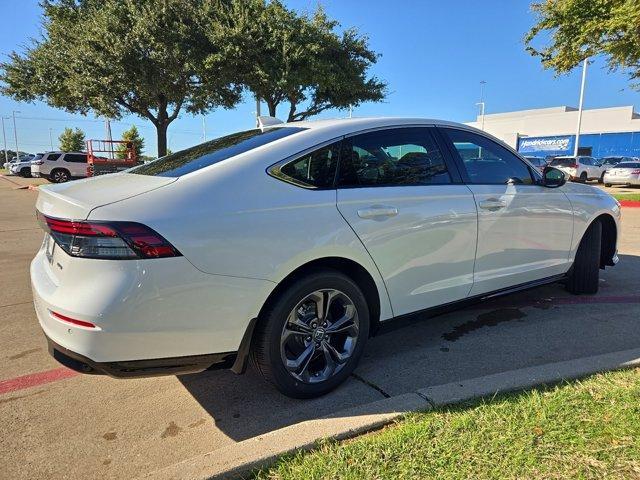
(581, 168)
(60, 167)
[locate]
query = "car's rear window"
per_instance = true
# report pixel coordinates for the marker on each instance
(208, 153)
(628, 165)
(563, 162)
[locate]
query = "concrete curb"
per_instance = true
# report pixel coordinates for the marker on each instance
(261, 451)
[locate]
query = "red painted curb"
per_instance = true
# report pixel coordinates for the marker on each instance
(34, 379)
(630, 203)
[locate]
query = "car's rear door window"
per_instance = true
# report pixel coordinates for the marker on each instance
(75, 157)
(316, 169)
(208, 153)
(487, 162)
(393, 157)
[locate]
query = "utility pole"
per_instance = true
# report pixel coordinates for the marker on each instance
(257, 111)
(584, 78)
(51, 139)
(350, 111)
(107, 126)
(204, 129)
(481, 104)
(4, 136)
(15, 133)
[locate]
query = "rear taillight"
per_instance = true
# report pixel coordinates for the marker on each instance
(635, 172)
(107, 240)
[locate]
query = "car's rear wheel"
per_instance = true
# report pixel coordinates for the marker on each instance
(601, 180)
(25, 172)
(583, 177)
(585, 273)
(311, 338)
(60, 175)
(607, 184)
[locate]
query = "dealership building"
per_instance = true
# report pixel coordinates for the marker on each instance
(551, 131)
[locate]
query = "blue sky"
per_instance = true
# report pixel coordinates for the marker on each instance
(434, 54)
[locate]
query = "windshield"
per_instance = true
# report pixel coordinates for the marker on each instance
(208, 153)
(563, 162)
(628, 165)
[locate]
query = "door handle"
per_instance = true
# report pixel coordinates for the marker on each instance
(378, 211)
(492, 204)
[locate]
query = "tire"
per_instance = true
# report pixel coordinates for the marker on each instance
(585, 273)
(25, 172)
(601, 179)
(583, 177)
(607, 184)
(279, 345)
(60, 175)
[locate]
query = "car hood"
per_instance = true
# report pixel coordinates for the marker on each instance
(75, 200)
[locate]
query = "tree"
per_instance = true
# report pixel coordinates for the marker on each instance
(115, 57)
(580, 29)
(72, 140)
(132, 135)
(299, 59)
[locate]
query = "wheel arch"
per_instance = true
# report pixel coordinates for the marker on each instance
(354, 270)
(609, 239)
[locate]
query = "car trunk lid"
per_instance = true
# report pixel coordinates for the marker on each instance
(75, 200)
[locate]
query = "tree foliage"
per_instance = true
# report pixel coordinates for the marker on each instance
(299, 59)
(580, 29)
(72, 140)
(115, 57)
(132, 135)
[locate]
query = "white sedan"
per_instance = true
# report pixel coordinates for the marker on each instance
(291, 244)
(624, 173)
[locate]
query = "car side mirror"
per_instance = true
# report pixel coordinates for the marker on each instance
(552, 177)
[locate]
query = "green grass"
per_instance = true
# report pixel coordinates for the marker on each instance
(586, 429)
(627, 196)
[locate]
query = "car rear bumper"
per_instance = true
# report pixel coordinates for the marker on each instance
(148, 315)
(141, 368)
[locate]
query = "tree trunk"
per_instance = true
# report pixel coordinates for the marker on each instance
(161, 129)
(271, 105)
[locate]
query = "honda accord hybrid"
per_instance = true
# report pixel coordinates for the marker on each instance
(289, 245)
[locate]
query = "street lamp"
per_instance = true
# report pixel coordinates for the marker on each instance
(584, 78)
(15, 133)
(481, 104)
(4, 136)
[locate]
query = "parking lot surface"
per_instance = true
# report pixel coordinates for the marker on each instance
(58, 424)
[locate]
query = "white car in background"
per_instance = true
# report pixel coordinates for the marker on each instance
(624, 173)
(60, 167)
(292, 244)
(581, 168)
(22, 167)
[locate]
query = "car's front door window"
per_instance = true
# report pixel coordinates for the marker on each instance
(487, 162)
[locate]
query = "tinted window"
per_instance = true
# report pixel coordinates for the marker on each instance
(205, 154)
(75, 158)
(563, 162)
(399, 156)
(315, 169)
(53, 156)
(628, 165)
(486, 161)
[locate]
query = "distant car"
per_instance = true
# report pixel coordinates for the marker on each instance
(609, 162)
(581, 168)
(60, 167)
(537, 162)
(23, 166)
(624, 173)
(289, 244)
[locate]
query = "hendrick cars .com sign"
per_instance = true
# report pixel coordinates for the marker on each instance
(559, 144)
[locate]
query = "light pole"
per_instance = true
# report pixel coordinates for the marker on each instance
(204, 129)
(4, 136)
(15, 133)
(481, 104)
(257, 111)
(51, 139)
(584, 78)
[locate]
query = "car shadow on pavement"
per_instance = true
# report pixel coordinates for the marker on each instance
(535, 327)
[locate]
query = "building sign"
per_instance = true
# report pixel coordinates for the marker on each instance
(545, 144)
